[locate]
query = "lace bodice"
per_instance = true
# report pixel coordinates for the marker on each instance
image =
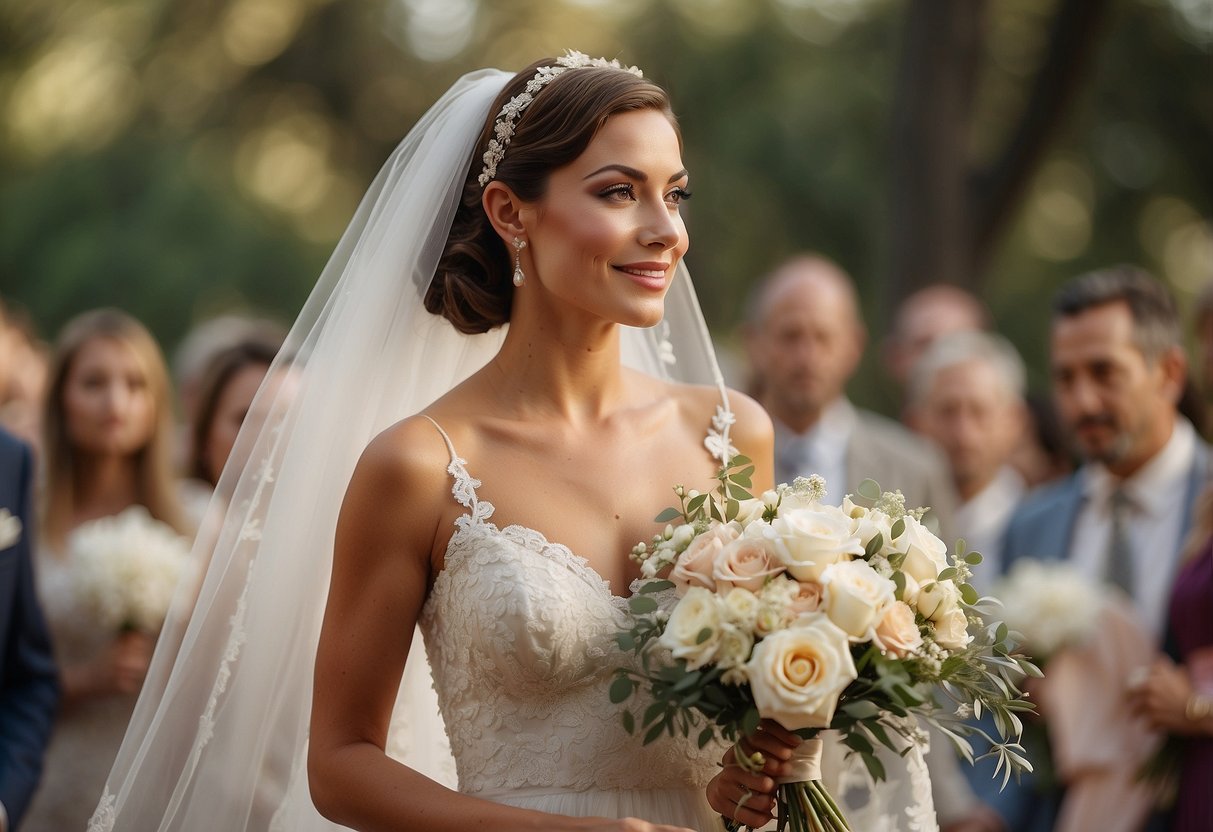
(520, 633)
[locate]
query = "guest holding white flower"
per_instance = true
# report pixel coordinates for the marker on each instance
(108, 481)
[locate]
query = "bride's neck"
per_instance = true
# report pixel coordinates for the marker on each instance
(569, 371)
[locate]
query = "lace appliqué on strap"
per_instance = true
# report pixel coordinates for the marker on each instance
(104, 817)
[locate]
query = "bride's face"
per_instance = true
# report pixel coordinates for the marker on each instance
(607, 234)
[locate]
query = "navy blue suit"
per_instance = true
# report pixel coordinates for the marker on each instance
(1042, 527)
(29, 687)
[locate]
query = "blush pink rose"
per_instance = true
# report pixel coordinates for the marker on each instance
(745, 563)
(807, 598)
(695, 565)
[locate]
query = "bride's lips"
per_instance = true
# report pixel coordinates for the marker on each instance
(650, 275)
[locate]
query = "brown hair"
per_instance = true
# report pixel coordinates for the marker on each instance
(254, 351)
(472, 287)
(154, 482)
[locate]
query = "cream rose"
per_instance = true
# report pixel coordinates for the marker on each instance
(856, 596)
(695, 564)
(897, 633)
(797, 675)
(735, 646)
(926, 555)
(937, 599)
(806, 541)
(866, 523)
(698, 610)
(952, 630)
(746, 562)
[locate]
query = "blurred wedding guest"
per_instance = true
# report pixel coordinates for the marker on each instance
(966, 395)
(1177, 698)
(804, 338)
(109, 492)
(29, 686)
(1118, 371)
(23, 370)
(225, 395)
(197, 350)
(924, 316)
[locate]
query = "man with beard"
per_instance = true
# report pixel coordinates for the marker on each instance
(1118, 373)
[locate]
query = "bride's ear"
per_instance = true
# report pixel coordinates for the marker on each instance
(504, 210)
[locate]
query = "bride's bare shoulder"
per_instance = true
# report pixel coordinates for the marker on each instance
(407, 460)
(751, 424)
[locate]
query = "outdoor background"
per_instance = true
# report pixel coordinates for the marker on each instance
(182, 158)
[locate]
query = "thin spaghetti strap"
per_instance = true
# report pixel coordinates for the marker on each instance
(450, 446)
(465, 485)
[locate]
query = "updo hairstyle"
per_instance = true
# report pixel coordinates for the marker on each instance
(472, 286)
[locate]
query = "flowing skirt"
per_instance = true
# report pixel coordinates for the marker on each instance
(686, 807)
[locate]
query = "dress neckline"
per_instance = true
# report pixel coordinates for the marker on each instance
(477, 511)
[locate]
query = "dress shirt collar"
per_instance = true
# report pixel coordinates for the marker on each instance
(1152, 488)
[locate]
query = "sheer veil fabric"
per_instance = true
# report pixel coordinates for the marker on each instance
(218, 738)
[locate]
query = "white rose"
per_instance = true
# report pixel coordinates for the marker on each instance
(746, 562)
(698, 610)
(910, 593)
(937, 599)
(926, 555)
(694, 565)
(897, 633)
(749, 510)
(856, 596)
(797, 675)
(806, 541)
(952, 630)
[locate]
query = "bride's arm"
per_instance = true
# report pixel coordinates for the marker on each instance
(754, 436)
(381, 568)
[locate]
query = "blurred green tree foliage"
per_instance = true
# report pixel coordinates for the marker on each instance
(184, 158)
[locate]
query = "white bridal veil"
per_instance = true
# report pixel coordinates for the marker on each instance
(218, 739)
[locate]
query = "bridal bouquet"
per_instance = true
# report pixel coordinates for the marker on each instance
(820, 617)
(1049, 605)
(125, 569)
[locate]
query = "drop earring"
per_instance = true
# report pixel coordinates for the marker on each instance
(519, 277)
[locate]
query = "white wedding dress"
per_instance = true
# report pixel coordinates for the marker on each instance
(520, 633)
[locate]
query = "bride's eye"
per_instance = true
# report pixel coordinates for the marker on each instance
(623, 192)
(678, 196)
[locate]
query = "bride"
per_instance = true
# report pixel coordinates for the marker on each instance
(513, 280)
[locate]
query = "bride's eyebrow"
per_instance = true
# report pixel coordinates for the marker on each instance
(633, 173)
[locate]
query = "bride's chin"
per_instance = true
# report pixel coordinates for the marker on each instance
(645, 317)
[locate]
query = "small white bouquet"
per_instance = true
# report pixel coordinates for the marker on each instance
(1050, 605)
(820, 617)
(125, 569)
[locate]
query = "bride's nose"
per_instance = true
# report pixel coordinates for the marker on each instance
(662, 228)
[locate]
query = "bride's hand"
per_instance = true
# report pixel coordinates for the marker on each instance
(632, 825)
(749, 797)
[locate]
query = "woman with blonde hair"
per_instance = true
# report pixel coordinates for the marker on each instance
(107, 452)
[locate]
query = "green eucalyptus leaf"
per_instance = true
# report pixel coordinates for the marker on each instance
(739, 460)
(749, 722)
(704, 635)
(687, 682)
(653, 733)
(667, 515)
(898, 528)
(656, 586)
(654, 712)
(621, 689)
(874, 766)
(947, 574)
(705, 736)
(869, 489)
(730, 510)
(629, 722)
(642, 604)
(626, 641)
(874, 546)
(973, 558)
(696, 503)
(738, 493)
(967, 594)
(961, 545)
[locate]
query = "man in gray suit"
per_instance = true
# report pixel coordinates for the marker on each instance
(805, 339)
(1118, 371)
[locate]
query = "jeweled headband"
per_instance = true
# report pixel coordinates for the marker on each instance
(503, 127)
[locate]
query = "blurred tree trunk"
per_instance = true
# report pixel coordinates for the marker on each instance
(946, 212)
